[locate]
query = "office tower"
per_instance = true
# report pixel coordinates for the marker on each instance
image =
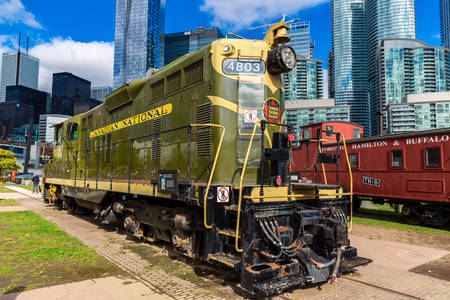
(409, 66)
(180, 43)
(305, 112)
(444, 6)
(139, 39)
(350, 58)
(99, 92)
(46, 126)
(300, 34)
(69, 92)
(24, 95)
(305, 81)
(385, 19)
(17, 69)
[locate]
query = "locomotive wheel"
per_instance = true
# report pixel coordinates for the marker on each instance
(410, 217)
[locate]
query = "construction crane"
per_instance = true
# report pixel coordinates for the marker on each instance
(268, 25)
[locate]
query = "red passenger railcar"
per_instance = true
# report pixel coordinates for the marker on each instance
(412, 169)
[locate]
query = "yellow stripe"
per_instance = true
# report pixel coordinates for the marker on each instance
(219, 101)
(131, 121)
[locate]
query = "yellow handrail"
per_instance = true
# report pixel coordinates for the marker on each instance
(323, 168)
(351, 182)
(230, 33)
(244, 167)
(205, 220)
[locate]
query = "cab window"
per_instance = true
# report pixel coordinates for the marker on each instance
(356, 133)
(331, 129)
(72, 131)
(306, 133)
(58, 134)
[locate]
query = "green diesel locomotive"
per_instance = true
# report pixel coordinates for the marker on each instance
(198, 156)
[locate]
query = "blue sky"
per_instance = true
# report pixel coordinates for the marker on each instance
(77, 36)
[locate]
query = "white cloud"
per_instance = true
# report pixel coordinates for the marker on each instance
(437, 36)
(235, 14)
(92, 61)
(13, 11)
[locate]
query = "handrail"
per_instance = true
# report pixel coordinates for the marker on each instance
(296, 195)
(323, 168)
(351, 182)
(244, 167)
(230, 33)
(205, 220)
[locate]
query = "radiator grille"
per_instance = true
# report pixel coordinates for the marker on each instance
(194, 72)
(158, 89)
(156, 141)
(174, 82)
(204, 134)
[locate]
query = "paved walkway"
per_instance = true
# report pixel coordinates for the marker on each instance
(386, 278)
(108, 288)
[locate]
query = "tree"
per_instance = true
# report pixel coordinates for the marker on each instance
(7, 162)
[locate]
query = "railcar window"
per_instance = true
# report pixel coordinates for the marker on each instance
(353, 157)
(397, 158)
(329, 128)
(433, 157)
(356, 133)
(58, 134)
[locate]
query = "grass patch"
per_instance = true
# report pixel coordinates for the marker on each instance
(401, 226)
(36, 253)
(4, 189)
(27, 187)
(9, 202)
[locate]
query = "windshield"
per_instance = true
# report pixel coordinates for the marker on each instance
(251, 97)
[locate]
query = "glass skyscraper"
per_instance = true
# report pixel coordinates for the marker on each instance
(385, 19)
(408, 66)
(139, 39)
(445, 22)
(300, 34)
(305, 81)
(28, 72)
(180, 43)
(350, 58)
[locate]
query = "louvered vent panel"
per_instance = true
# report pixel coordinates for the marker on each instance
(204, 134)
(158, 89)
(156, 144)
(194, 72)
(174, 82)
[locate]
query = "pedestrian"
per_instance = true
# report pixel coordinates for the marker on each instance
(36, 186)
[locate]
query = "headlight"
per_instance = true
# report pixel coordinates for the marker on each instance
(281, 60)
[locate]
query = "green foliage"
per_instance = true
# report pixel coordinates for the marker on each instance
(7, 161)
(401, 226)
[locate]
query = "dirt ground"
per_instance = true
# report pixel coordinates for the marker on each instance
(437, 241)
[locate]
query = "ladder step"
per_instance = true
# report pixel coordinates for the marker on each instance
(227, 232)
(231, 207)
(225, 259)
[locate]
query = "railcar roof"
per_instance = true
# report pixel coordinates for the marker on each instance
(398, 135)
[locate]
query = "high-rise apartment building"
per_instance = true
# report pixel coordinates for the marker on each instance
(385, 19)
(139, 39)
(408, 66)
(444, 6)
(305, 81)
(305, 112)
(300, 34)
(17, 69)
(350, 58)
(99, 92)
(180, 43)
(420, 112)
